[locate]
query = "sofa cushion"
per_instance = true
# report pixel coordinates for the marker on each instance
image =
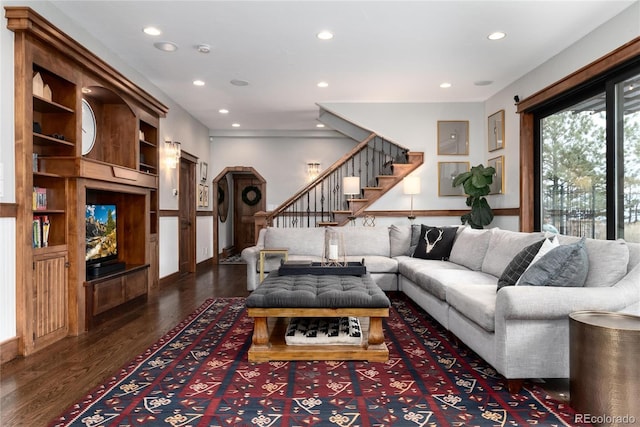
(503, 245)
(435, 242)
(438, 281)
(376, 263)
(299, 241)
(409, 266)
(399, 239)
(608, 260)
(566, 265)
(519, 264)
(365, 240)
(416, 229)
(476, 302)
(470, 247)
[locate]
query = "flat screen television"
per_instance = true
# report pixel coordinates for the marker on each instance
(101, 233)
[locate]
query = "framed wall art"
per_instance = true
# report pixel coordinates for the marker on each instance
(205, 196)
(203, 171)
(495, 130)
(447, 172)
(497, 187)
(453, 137)
(200, 195)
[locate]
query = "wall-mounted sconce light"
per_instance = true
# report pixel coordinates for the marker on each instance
(313, 170)
(172, 149)
(411, 186)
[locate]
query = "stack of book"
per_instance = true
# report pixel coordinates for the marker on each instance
(41, 227)
(39, 198)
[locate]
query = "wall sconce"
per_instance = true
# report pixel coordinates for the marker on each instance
(172, 149)
(411, 186)
(351, 187)
(313, 170)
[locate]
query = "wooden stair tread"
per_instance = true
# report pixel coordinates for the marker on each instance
(326, 223)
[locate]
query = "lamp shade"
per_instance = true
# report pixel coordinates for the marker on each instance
(351, 185)
(411, 185)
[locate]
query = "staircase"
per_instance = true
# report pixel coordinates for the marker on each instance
(379, 163)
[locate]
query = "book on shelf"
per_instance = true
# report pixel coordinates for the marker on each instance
(41, 228)
(35, 162)
(39, 198)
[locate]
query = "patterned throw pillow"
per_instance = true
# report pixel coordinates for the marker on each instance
(519, 264)
(435, 242)
(566, 265)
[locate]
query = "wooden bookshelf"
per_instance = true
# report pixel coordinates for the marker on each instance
(53, 74)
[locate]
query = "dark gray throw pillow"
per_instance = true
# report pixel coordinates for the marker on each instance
(566, 265)
(519, 264)
(435, 242)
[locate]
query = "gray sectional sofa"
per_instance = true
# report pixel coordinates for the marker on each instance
(522, 331)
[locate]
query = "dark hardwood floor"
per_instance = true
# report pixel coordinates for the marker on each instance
(35, 389)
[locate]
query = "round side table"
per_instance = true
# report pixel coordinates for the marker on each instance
(605, 367)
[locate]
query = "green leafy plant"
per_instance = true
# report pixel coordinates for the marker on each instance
(476, 184)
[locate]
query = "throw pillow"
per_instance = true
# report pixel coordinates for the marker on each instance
(519, 264)
(566, 265)
(549, 244)
(435, 242)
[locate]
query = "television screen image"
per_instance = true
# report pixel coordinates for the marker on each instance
(101, 233)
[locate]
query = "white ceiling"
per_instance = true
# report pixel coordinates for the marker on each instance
(383, 51)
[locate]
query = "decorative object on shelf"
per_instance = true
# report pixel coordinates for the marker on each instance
(334, 252)
(447, 172)
(35, 167)
(223, 199)
(173, 152)
(476, 184)
(411, 186)
(351, 187)
(38, 85)
(496, 130)
(37, 128)
(89, 128)
(203, 171)
(141, 135)
(497, 186)
(369, 221)
(453, 137)
(46, 93)
(313, 170)
(251, 195)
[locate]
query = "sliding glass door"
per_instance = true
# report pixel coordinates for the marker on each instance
(589, 161)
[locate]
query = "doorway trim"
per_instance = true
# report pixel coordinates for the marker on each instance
(233, 170)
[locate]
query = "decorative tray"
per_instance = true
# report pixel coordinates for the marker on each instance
(292, 268)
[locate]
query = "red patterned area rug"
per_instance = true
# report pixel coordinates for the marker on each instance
(198, 375)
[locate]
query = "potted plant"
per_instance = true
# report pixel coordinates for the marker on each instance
(476, 184)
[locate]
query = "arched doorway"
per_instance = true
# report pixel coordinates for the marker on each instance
(238, 193)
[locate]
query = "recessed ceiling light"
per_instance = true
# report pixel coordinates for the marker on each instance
(152, 31)
(319, 125)
(166, 46)
(203, 48)
(323, 84)
(445, 85)
(483, 82)
(238, 82)
(236, 125)
(198, 83)
(497, 35)
(325, 35)
(223, 111)
(86, 90)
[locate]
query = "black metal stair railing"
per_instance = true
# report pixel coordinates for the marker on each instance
(315, 204)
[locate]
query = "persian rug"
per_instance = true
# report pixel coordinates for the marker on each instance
(198, 375)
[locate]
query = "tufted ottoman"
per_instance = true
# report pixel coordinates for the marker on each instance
(281, 297)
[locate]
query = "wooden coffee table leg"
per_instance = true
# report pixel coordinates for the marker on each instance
(260, 332)
(376, 334)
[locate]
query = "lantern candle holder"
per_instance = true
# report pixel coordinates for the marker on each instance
(334, 253)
